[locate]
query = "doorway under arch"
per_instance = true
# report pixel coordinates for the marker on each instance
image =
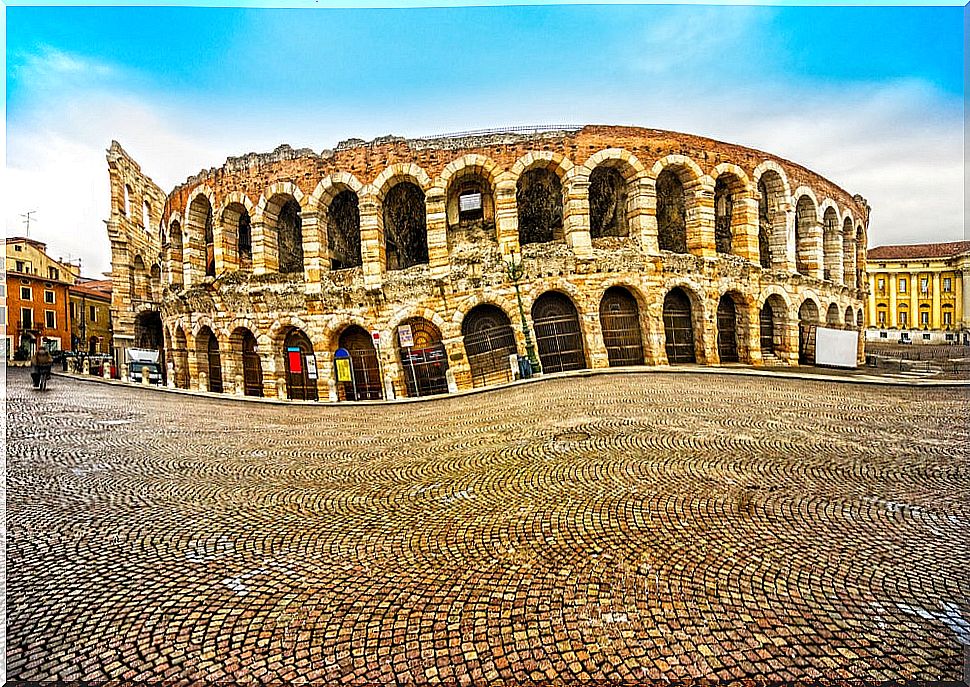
(620, 322)
(301, 366)
(365, 376)
(678, 327)
(489, 341)
(558, 335)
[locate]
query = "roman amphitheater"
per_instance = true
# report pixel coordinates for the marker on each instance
(409, 267)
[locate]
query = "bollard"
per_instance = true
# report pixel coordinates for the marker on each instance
(240, 389)
(281, 388)
(86, 366)
(144, 376)
(171, 374)
(203, 382)
(106, 370)
(450, 378)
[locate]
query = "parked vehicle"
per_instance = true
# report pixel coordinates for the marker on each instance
(140, 359)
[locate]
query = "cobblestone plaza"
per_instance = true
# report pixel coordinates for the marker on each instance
(618, 527)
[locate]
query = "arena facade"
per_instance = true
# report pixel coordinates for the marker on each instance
(616, 246)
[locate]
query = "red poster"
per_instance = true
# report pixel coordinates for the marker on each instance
(294, 358)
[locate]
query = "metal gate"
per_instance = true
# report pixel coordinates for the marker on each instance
(252, 367)
(424, 370)
(620, 321)
(365, 384)
(727, 330)
(767, 320)
(301, 383)
(560, 344)
(488, 352)
(678, 329)
(215, 365)
(806, 343)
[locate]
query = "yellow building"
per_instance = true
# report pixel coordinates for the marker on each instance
(919, 293)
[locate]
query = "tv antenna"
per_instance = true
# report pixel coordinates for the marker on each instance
(27, 220)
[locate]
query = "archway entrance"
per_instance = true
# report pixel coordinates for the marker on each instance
(807, 323)
(301, 367)
(252, 368)
(149, 335)
(727, 330)
(678, 328)
(181, 355)
(489, 341)
(620, 321)
(365, 376)
(207, 350)
(767, 324)
(425, 363)
(558, 336)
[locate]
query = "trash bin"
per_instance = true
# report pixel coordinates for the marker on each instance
(525, 368)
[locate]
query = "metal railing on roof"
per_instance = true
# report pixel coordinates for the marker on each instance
(534, 129)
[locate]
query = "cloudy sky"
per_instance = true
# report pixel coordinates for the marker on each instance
(870, 97)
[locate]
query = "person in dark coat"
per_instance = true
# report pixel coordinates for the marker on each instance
(41, 361)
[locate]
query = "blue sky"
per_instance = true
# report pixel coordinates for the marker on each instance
(872, 97)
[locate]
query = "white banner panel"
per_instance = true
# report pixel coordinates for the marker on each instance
(836, 347)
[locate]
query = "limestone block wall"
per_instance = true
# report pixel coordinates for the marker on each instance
(209, 284)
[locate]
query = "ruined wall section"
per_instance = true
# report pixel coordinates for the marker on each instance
(135, 228)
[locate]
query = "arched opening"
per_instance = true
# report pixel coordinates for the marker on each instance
(772, 227)
(149, 334)
(289, 236)
(671, 213)
(244, 345)
(620, 322)
(180, 358)
(405, 226)
(805, 220)
(860, 257)
(424, 364)
(723, 215)
(362, 368)
(727, 330)
(848, 253)
(146, 217)
(558, 334)
(538, 196)
(155, 283)
(301, 366)
(860, 319)
(140, 281)
(126, 201)
(200, 221)
(678, 327)
(766, 323)
(849, 318)
(175, 254)
(831, 246)
(489, 341)
(470, 210)
(343, 231)
(207, 353)
(807, 323)
(832, 317)
(608, 199)
(238, 236)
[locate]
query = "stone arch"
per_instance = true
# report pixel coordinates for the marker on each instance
(404, 222)
(424, 366)
(848, 251)
(775, 321)
(732, 197)
(808, 320)
(235, 225)
(558, 333)
(736, 325)
(831, 242)
(489, 341)
(335, 202)
(807, 233)
(849, 317)
(833, 316)
(358, 377)
(180, 357)
(861, 246)
(469, 190)
(621, 325)
(544, 159)
(209, 357)
(615, 194)
(198, 234)
(297, 378)
(774, 201)
(677, 185)
(244, 360)
(176, 253)
(401, 171)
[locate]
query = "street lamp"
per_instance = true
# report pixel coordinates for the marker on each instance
(514, 271)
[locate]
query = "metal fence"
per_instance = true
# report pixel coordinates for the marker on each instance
(488, 354)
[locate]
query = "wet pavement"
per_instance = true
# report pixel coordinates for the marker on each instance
(616, 527)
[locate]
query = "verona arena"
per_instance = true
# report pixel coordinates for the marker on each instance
(632, 246)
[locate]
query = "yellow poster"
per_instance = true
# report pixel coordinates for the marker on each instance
(343, 369)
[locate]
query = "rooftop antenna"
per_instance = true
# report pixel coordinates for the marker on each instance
(27, 220)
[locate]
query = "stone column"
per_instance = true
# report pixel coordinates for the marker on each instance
(786, 244)
(936, 311)
(437, 225)
(593, 339)
(643, 214)
(264, 259)
(372, 247)
(506, 217)
(892, 300)
(313, 248)
(833, 247)
(750, 318)
(745, 233)
(575, 216)
(700, 218)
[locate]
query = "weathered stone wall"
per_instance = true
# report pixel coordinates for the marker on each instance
(465, 262)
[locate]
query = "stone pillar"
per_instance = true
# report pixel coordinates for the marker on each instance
(264, 259)
(744, 238)
(437, 223)
(892, 301)
(751, 320)
(372, 247)
(643, 214)
(700, 218)
(575, 216)
(833, 256)
(785, 242)
(506, 217)
(936, 311)
(313, 248)
(593, 339)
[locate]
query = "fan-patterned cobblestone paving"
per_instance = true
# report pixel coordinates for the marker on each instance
(614, 527)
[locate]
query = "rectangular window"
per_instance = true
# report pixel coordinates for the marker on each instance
(881, 285)
(926, 337)
(883, 335)
(924, 285)
(52, 273)
(902, 319)
(50, 319)
(26, 294)
(946, 285)
(93, 314)
(49, 296)
(947, 318)
(924, 317)
(3, 289)
(18, 248)
(26, 318)
(902, 286)
(3, 309)
(950, 337)
(73, 310)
